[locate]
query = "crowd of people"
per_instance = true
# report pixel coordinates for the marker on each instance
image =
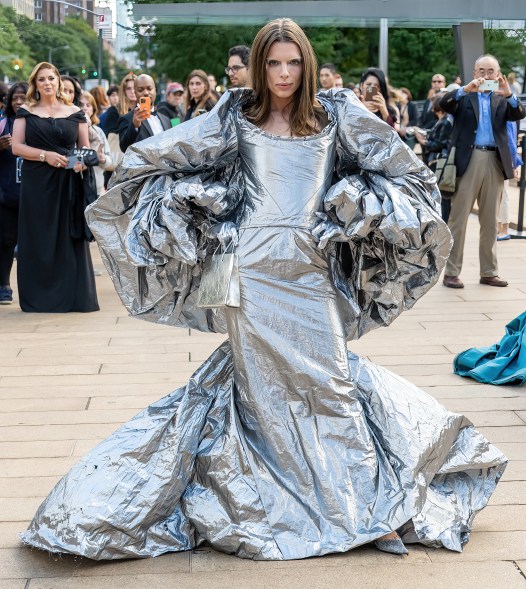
(115, 119)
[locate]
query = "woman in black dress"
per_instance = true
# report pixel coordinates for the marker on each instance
(9, 191)
(55, 273)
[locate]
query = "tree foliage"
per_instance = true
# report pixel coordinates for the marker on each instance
(11, 46)
(31, 41)
(414, 54)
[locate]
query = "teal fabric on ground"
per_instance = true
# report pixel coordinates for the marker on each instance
(502, 363)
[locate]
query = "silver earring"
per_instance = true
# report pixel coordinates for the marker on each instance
(58, 93)
(37, 95)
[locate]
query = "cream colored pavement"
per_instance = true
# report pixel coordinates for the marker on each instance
(66, 381)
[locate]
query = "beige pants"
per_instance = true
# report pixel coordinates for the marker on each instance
(482, 182)
(504, 209)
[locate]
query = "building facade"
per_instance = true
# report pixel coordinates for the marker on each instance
(52, 12)
(22, 7)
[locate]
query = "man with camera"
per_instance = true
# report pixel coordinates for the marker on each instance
(483, 161)
(142, 121)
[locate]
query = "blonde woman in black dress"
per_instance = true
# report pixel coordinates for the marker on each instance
(55, 273)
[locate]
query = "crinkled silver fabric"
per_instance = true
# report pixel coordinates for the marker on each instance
(283, 445)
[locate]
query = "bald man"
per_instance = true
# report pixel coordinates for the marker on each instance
(483, 162)
(139, 124)
(428, 118)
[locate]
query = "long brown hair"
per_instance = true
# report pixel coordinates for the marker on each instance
(123, 106)
(31, 95)
(100, 98)
(305, 109)
(207, 96)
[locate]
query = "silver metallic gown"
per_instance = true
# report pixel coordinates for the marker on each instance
(283, 445)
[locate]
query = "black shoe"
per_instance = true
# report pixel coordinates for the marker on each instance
(6, 295)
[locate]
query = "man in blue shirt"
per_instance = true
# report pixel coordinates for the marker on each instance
(483, 162)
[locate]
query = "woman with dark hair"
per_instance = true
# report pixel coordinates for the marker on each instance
(3, 98)
(435, 145)
(199, 97)
(375, 95)
(283, 445)
(72, 89)
(55, 274)
(113, 102)
(9, 190)
(408, 115)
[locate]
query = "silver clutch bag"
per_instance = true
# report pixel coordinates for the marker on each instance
(219, 285)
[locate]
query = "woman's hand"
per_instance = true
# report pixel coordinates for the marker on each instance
(55, 160)
(78, 167)
(377, 104)
(420, 138)
(5, 142)
(101, 155)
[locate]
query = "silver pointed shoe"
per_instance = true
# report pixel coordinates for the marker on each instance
(393, 546)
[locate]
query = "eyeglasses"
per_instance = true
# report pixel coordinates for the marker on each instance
(234, 69)
(437, 81)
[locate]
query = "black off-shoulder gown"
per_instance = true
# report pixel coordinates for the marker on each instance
(55, 272)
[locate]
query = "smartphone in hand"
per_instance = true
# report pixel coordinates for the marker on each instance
(72, 160)
(145, 103)
(370, 91)
(489, 85)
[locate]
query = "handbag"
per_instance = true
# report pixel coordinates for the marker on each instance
(219, 285)
(115, 151)
(84, 155)
(84, 193)
(446, 172)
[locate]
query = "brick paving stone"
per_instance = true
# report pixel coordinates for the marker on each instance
(484, 547)
(33, 449)
(10, 534)
(501, 518)
(510, 493)
(29, 485)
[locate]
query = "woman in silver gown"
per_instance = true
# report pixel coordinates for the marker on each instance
(283, 445)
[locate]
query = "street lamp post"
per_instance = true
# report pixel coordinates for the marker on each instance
(51, 50)
(99, 71)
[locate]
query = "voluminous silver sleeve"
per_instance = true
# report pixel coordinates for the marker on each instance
(152, 224)
(387, 202)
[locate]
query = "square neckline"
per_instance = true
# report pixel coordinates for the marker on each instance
(328, 127)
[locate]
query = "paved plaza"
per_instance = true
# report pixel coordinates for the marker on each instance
(67, 381)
